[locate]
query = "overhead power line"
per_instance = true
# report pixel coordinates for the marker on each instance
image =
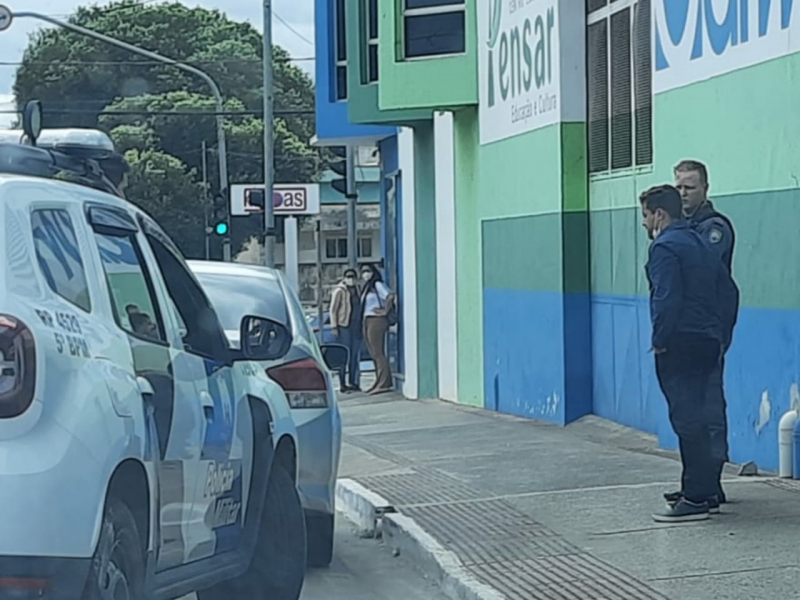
(292, 29)
(168, 113)
(108, 63)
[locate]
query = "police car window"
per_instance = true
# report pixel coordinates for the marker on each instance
(133, 299)
(203, 334)
(59, 257)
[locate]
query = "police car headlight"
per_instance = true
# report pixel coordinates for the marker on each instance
(17, 367)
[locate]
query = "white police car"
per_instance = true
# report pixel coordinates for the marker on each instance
(140, 456)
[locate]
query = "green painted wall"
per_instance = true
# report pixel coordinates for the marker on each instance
(438, 82)
(425, 249)
(469, 272)
(362, 99)
(750, 141)
(516, 177)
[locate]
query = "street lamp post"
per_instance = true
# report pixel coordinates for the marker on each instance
(223, 151)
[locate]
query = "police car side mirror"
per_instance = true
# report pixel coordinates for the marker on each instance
(263, 339)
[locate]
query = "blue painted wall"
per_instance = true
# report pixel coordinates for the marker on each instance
(764, 357)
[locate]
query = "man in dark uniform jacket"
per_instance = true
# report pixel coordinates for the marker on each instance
(692, 303)
(691, 179)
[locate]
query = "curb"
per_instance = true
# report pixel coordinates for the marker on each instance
(375, 516)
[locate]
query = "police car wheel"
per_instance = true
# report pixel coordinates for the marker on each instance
(117, 571)
(320, 540)
(279, 565)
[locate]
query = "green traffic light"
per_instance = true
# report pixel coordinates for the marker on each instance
(221, 228)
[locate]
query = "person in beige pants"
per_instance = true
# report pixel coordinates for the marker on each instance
(377, 302)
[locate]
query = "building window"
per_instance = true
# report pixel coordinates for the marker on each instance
(434, 27)
(335, 248)
(371, 63)
(619, 84)
(365, 247)
(341, 50)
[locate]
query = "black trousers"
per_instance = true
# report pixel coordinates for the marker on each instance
(716, 408)
(684, 372)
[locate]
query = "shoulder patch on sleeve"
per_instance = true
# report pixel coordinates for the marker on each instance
(715, 235)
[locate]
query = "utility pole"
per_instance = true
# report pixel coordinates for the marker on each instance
(206, 226)
(269, 154)
(223, 151)
(352, 197)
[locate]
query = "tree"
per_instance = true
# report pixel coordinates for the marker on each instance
(85, 83)
(170, 194)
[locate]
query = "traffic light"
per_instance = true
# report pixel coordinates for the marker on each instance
(221, 225)
(339, 166)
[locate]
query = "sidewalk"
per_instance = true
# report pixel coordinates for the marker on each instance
(541, 512)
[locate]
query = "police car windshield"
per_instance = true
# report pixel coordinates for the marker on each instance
(234, 296)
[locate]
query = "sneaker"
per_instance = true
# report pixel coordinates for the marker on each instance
(673, 498)
(683, 510)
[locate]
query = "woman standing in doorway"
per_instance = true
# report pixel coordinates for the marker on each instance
(378, 303)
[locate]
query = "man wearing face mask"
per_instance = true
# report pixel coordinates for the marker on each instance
(345, 317)
(691, 179)
(692, 304)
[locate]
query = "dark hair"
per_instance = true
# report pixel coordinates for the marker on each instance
(692, 165)
(376, 274)
(665, 197)
(348, 272)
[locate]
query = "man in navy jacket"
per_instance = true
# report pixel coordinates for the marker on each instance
(693, 303)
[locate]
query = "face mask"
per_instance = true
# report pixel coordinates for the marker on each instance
(350, 281)
(658, 229)
(366, 276)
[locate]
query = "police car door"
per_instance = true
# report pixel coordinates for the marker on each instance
(221, 489)
(174, 413)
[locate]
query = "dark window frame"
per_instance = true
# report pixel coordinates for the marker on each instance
(371, 49)
(80, 260)
(339, 50)
(433, 8)
(619, 91)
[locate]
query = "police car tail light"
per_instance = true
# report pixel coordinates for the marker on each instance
(303, 383)
(17, 367)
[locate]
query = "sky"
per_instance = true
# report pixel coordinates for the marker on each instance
(292, 28)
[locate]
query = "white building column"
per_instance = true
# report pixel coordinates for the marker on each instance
(291, 253)
(405, 148)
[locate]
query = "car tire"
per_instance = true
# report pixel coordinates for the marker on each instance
(319, 533)
(279, 564)
(117, 569)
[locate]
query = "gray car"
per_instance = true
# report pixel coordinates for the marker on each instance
(237, 290)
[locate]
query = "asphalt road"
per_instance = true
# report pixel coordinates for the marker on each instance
(365, 570)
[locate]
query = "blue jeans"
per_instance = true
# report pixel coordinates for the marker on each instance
(351, 337)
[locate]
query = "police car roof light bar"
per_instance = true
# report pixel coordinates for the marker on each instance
(79, 152)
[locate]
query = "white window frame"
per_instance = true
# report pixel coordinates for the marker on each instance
(604, 14)
(433, 10)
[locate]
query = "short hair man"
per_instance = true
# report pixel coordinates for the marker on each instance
(690, 305)
(691, 179)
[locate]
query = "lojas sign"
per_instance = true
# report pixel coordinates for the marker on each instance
(699, 39)
(518, 66)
